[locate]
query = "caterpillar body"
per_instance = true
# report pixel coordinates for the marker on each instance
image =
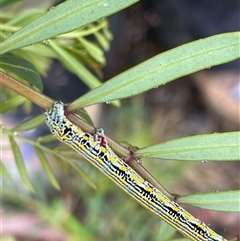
(103, 157)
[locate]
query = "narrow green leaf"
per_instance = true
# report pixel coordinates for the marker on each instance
(165, 67)
(81, 112)
(47, 138)
(46, 167)
(63, 165)
(220, 201)
(94, 51)
(63, 18)
(209, 147)
(83, 175)
(68, 222)
(25, 17)
(23, 69)
(108, 35)
(77, 229)
(38, 50)
(12, 103)
(3, 171)
(102, 41)
(20, 164)
(30, 124)
(74, 65)
(43, 52)
(165, 232)
(5, 3)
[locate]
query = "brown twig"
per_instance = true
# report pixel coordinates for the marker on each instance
(46, 103)
(34, 96)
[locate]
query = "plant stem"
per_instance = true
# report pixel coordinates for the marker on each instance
(46, 103)
(34, 96)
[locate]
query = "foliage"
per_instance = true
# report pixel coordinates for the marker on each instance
(55, 34)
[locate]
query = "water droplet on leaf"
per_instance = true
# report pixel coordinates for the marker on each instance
(46, 41)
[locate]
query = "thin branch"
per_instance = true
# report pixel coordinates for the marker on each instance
(46, 103)
(34, 96)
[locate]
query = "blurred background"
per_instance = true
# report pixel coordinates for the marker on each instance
(205, 102)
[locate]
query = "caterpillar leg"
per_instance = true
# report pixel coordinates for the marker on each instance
(100, 137)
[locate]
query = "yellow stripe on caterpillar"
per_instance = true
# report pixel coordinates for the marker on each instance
(97, 152)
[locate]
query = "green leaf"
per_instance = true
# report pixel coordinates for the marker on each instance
(102, 41)
(43, 52)
(62, 165)
(165, 67)
(165, 232)
(83, 113)
(72, 64)
(83, 175)
(20, 164)
(30, 124)
(220, 201)
(209, 147)
(23, 69)
(12, 103)
(47, 138)
(47, 168)
(94, 51)
(64, 220)
(25, 17)
(3, 171)
(63, 18)
(5, 3)
(107, 34)
(75, 227)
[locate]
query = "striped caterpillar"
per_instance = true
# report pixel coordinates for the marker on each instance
(103, 157)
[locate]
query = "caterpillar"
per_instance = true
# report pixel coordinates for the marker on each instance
(103, 157)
